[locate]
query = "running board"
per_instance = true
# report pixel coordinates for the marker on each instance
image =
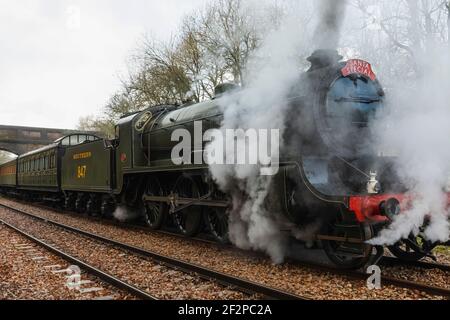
(177, 203)
(340, 239)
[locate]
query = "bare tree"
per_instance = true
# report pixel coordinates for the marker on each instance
(204, 71)
(447, 5)
(213, 46)
(409, 28)
(104, 127)
(227, 33)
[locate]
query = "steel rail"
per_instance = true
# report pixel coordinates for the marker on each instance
(385, 280)
(386, 260)
(389, 261)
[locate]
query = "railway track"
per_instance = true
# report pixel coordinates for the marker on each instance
(386, 260)
(110, 279)
(386, 280)
(391, 261)
(246, 286)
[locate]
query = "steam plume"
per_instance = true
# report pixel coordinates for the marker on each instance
(331, 17)
(417, 128)
(261, 105)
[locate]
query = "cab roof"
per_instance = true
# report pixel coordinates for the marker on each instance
(66, 141)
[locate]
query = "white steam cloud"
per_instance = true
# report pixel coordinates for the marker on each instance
(331, 16)
(259, 106)
(124, 214)
(416, 127)
(262, 105)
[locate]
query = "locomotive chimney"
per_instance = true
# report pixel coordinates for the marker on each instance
(323, 58)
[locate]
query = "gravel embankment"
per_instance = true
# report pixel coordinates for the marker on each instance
(432, 277)
(300, 280)
(160, 281)
(28, 271)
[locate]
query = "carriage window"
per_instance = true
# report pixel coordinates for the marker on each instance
(73, 140)
(65, 141)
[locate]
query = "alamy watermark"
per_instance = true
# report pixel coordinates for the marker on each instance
(374, 281)
(73, 277)
(259, 147)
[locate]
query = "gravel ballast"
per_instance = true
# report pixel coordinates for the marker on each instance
(28, 271)
(160, 281)
(300, 280)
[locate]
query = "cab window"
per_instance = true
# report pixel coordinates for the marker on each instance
(65, 141)
(73, 140)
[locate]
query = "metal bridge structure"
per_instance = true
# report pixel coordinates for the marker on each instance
(19, 140)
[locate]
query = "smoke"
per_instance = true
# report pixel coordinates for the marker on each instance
(331, 17)
(262, 105)
(124, 214)
(416, 126)
(259, 106)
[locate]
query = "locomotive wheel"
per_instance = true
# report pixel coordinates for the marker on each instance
(69, 201)
(408, 249)
(93, 205)
(189, 220)
(155, 213)
(217, 222)
(340, 253)
(81, 203)
(107, 207)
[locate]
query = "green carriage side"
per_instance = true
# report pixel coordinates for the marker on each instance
(87, 167)
(40, 170)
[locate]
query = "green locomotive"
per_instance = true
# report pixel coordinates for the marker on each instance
(324, 174)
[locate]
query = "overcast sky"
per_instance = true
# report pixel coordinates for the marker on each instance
(60, 59)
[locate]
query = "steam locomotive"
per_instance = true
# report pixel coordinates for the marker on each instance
(327, 172)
